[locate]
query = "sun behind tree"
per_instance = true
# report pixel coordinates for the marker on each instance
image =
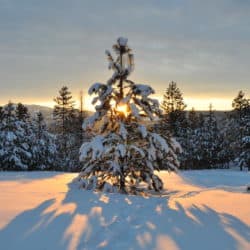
(123, 155)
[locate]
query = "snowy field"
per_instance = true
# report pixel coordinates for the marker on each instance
(199, 210)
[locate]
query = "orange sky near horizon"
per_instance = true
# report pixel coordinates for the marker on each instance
(199, 103)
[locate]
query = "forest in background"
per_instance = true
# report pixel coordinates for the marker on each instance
(37, 140)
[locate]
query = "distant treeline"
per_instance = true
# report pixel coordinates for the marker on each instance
(205, 142)
(29, 143)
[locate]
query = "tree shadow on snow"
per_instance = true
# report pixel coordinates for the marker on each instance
(216, 178)
(88, 220)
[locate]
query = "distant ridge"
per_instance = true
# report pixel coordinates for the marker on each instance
(47, 112)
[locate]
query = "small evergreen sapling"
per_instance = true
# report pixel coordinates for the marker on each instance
(124, 154)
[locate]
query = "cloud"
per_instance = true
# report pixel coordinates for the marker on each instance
(203, 45)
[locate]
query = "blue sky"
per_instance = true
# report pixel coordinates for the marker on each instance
(202, 45)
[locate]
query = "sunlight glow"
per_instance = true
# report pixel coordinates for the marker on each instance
(87, 103)
(122, 108)
(199, 103)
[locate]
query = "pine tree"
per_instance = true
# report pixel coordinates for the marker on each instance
(201, 120)
(189, 153)
(81, 117)
(25, 144)
(124, 153)
(64, 109)
(64, 115)
(173, 107)
(15, 141)
(193, 119)
(244, 158)
(203, 142)
(21, 112)
(229, 134)
(40, 125)
(1, 113)
(9, 116)
(240, 121)
(240, 105)
(7, 136)
(77, 137)
(210, 143)
(44, 149)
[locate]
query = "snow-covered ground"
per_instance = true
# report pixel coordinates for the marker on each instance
(199, 210)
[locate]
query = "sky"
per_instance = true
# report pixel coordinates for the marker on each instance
(204, 46)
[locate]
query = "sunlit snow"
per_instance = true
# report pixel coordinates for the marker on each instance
(197, 210)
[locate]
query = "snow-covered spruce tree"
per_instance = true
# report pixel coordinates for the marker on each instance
(15, 140)
(22, 112)
(25, 144)
(44, 149)
(188, 142)
(211, 138)
(244, 158)
(203, 142)
(123, 154)
(240, 130)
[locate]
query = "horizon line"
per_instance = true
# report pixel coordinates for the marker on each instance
(39, 104)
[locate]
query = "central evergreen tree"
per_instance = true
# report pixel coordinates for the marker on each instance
(124, 153)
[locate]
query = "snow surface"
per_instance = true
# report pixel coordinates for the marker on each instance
(198, 210)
